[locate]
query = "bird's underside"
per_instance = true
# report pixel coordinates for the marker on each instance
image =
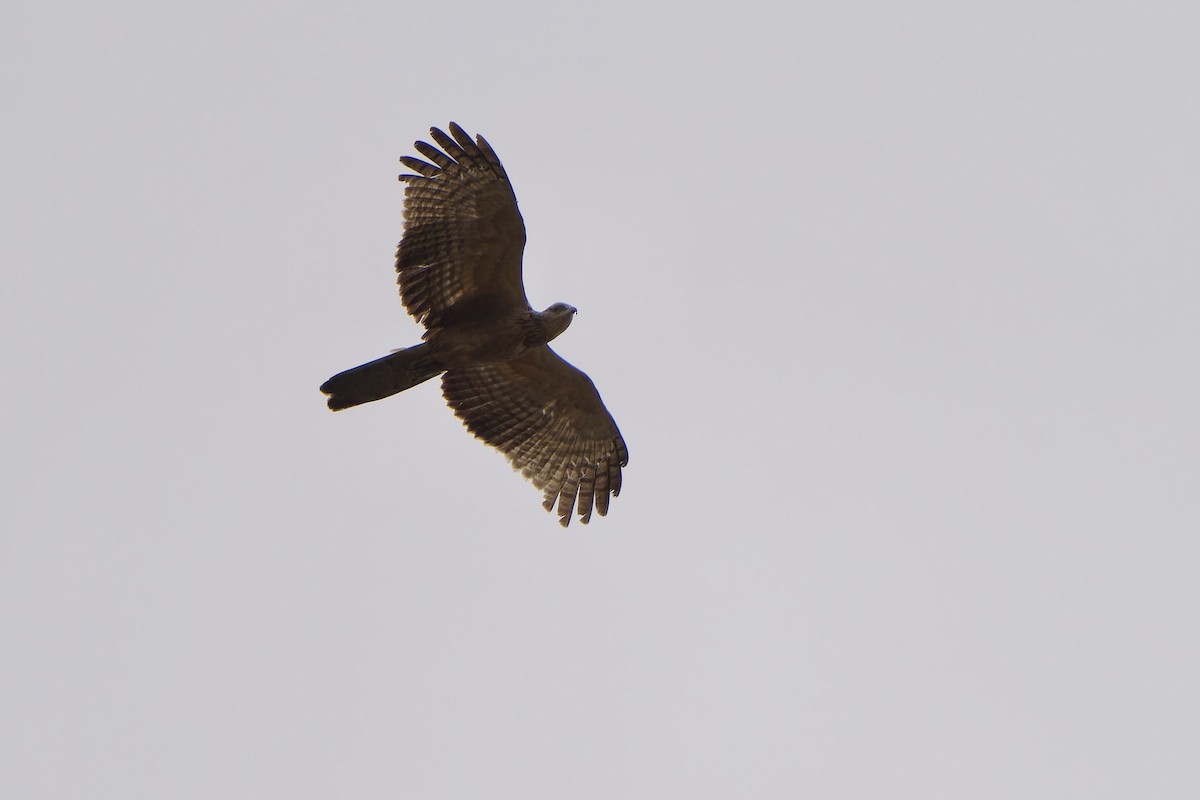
(459, 267)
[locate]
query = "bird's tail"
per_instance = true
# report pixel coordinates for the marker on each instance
(382, 377)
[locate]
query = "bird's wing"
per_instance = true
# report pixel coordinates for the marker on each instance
(547, 418)
(461, 252)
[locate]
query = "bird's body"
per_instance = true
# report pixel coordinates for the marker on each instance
(459, 267)
(500, 337)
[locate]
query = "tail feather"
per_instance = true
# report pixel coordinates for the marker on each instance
(382, 377)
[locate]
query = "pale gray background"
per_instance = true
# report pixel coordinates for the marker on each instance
(895, 304)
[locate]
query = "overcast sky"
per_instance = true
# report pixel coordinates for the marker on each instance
(896, 305)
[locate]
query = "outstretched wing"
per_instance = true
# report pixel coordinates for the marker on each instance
(547, 418)
(461, 252)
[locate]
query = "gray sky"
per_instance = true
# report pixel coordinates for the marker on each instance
(895, 304)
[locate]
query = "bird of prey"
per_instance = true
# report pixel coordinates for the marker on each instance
(459, 266)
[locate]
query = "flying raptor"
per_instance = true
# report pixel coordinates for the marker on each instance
(459, 266)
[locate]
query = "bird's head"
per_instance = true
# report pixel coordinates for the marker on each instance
(557, 317)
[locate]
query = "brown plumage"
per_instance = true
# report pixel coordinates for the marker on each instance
(459, 266)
